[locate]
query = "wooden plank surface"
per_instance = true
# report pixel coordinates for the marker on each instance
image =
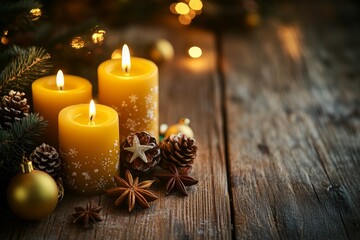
(289, 94)
(188, 88)
(294, 154)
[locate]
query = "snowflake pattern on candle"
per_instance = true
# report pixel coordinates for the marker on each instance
(133, 98)
(87, 175)
(138, 113)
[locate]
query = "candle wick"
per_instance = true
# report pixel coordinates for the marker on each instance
(126, 70)
(91, 119)
(61, 88)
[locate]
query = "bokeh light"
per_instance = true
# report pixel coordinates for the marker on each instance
(116, 54)
(4, 39)
(195, 52)
(187, 10)
(196, 5)
(185, 19)
(172, 8)
(192, 14)
(182, 8)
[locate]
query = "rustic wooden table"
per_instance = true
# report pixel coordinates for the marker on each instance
(276, 114)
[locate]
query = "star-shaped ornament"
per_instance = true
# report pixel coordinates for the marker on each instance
(138, 150)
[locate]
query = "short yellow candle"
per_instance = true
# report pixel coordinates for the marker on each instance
(51, 94)
(131, 87)
(89, 147)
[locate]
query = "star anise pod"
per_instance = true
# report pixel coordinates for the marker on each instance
(87, 215)
(176, 179)
(134, 191)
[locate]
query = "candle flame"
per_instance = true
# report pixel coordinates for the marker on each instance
(60, 80)
(92, 111)
(125, 59)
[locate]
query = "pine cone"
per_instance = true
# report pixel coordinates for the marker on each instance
(13, 107)
(46, 158)
(139, 152)
(178, 149)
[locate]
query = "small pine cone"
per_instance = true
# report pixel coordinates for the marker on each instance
(13, 107)
(46, 158)
(131, 151)
(178, 149)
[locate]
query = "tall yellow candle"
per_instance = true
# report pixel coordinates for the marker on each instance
(51, 94)
(131, 87)
(89, 147)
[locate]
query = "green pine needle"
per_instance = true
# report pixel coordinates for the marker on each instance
(28, 65)
(22, 137)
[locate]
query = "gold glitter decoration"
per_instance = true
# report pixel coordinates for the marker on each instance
(35, 14)
(98, 36)
(77, 43)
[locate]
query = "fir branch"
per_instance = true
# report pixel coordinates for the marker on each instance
(28, 131)
(28, 65)
(23, 136)
(7, 54)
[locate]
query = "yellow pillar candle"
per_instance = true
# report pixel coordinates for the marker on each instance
(131, 87)
(51, 94)
(89, 147)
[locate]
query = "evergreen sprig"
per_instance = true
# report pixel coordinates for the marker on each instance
(27, 65)
(22, 137)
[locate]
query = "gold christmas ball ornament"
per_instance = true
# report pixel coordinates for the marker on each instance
(162, 51)
(32, 194)
(181, 127)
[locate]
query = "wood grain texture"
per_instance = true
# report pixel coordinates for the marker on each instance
(188, 87)
(294, 154)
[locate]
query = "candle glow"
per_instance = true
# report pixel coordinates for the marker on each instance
(125, 59)
(50, 96)
(92, 111)
(133, 93)
(60, 80)
(89, 151)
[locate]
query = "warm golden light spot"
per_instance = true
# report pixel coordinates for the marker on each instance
(98, 36)
(35, 14)
(192, 14)
(116, 54)
(4, 40)
(196, 5)
(92, 111)
(172, 8)
(195, 52)
(77, 43)
(198, 12)
(162, 51)
(184, 19)
(60, 80)
(182, 8)
(125, 59)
